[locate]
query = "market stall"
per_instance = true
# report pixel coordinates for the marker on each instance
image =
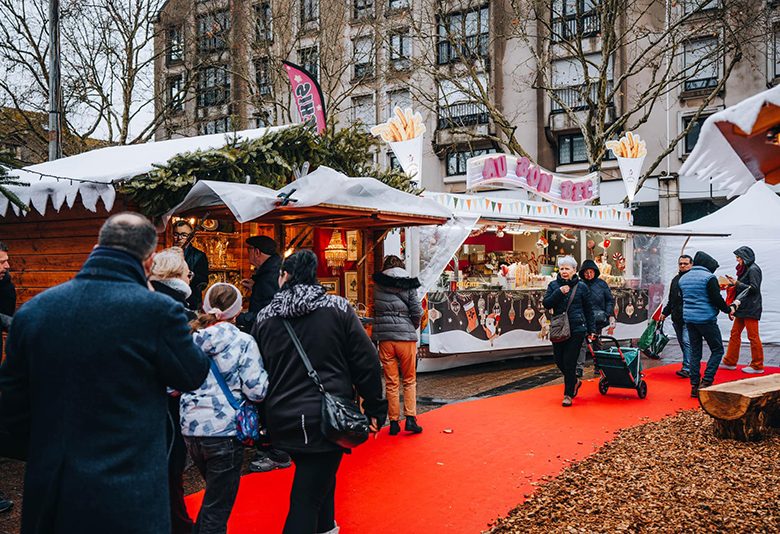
(485, 300)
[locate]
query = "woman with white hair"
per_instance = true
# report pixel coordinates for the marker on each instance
(569, 295)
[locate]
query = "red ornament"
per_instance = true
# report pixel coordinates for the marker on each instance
(607, 243)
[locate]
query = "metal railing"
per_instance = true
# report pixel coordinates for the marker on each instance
(571, 26)
(465, 114)
(466, 48)
(574, 97)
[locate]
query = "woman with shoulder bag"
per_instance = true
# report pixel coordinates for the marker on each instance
(208, 417)
(344, 360)
(572, 320)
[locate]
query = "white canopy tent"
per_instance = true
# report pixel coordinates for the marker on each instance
(341, 196)
(92, 174)
(714, 158)
(752, 221)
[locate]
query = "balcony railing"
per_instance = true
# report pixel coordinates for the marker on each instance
(572, 27)
(466, 48)
(700, 84)
(573, 98)
(459, 115)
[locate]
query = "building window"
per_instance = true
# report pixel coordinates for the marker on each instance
(701, 63)
(215, 126)
(213, 30)
(309, 59)
(458, 106)
(397, 4)
(463, 35)
(310, 11)
(264, 31)
(400, 50)
(393, 163)
(693, 134)
(174, 44)
(363, 60)
(175, 93)
(573, 88)
(693, 210)
(777, 51)
(213, 86)
(646, 215)
(261, 119)
(263, 76)
(574, 18)
(401, 99)
(571, 149)
(363, 110)
(456, 161)
(362, 9)
(690, 6)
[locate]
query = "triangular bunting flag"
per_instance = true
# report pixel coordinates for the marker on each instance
(499, 207)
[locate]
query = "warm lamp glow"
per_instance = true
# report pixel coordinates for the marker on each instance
(336, 251)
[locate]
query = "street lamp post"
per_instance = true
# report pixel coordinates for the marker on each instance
(55, 96)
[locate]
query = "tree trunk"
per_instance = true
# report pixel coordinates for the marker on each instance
(743, 410)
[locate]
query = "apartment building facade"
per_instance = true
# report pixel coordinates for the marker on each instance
(463, 64)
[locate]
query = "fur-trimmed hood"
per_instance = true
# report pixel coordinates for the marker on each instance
(300, 300)
(396, 278)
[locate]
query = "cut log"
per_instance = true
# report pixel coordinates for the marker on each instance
(743, 410)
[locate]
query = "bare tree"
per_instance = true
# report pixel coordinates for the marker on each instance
(603, 66)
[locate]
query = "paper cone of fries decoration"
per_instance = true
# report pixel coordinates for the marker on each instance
(630, 152)
(404, 133)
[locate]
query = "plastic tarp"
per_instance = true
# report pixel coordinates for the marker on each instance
(92, 174)
(248, 202)
(752, 221)
(713, 159)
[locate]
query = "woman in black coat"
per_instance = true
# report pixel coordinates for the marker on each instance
(581, 322)
(603, 305)
(747, 288)
(170, 275)
(345, 359)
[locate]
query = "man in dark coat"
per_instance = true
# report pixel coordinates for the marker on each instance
(264, 284)
(747, 286)
(674, 308)
(7, 307)
(603, 304)
(83, 391)
(197, 261)
(701, 303)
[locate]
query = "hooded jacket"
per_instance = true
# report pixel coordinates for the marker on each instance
(600, 295)
(340, 351)
(701, 291)
(206, 412)
(397, 310)
(750, 306)
(581, 319)
(674, 304)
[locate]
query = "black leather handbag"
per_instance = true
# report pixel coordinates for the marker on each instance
(560, 329)
(342, 421)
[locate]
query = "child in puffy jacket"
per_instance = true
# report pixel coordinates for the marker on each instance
(208, 421)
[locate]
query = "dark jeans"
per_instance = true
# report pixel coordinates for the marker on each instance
(566, 354)
(219, 462)
(313, 490)
(685, 344)
(711, 333)
(177, 457)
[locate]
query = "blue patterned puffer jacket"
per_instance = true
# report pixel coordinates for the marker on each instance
(206, 412)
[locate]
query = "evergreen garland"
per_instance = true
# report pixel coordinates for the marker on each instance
(269, 161)
(5, 180)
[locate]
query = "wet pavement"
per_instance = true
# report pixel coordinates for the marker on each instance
(508, 376)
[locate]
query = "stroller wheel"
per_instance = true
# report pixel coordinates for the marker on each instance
(603, 386)
(642, 389)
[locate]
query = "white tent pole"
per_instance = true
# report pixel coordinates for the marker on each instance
(682, 251)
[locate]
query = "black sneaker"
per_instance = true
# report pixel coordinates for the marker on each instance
(682, 373)
(579, 372)
(263, 463)
(280, 457)
(395, 428)
(695, 392)
(5, 505)
(705, 383)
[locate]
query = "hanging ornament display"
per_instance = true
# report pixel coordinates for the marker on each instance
(455, 306)
(620, 261)
(512, 313)
(471, 315)
(529, 313)
(630, 308)
(497, 308)
(434, 315)
(481, 309)
(542, 242)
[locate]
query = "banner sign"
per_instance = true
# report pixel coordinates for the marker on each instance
(474, 321)
(307, 94)
(630, 151)
(502, 170)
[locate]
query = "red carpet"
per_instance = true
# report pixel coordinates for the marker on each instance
(459, 482)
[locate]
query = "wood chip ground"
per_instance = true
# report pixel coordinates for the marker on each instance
(668, 476)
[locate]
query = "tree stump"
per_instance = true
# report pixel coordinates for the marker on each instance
(743, 410)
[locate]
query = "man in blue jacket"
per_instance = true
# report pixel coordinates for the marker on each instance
(701, 302)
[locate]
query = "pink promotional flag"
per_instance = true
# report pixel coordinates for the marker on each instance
(307, 94)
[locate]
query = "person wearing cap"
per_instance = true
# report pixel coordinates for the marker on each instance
(264, 284)
(208, 420)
